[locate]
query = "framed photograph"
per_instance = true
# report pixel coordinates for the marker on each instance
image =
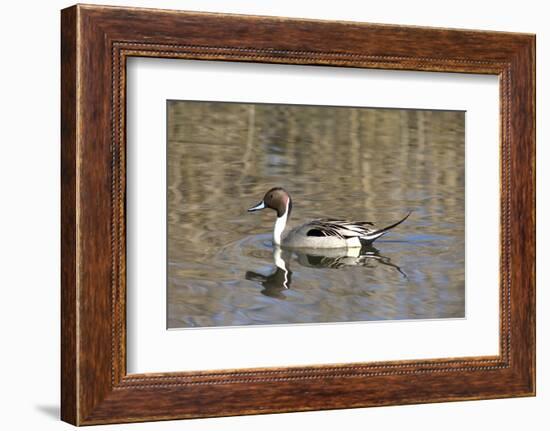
(263, 214)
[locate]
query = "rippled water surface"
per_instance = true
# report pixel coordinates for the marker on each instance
(353, 163)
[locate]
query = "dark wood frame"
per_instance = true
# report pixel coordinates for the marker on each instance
(95, 43)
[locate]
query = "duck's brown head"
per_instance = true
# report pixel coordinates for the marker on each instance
(277, 199)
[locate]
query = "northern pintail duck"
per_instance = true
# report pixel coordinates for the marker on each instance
(319, 233)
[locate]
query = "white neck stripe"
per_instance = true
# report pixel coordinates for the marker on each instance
(280, 225)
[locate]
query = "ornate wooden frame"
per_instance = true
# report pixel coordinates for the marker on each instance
(95, 42)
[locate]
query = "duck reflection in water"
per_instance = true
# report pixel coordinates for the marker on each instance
(275, 283)
(280, 279)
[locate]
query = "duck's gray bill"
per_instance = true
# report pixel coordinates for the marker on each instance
(258, 207)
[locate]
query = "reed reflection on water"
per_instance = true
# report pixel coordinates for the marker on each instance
(354, 163)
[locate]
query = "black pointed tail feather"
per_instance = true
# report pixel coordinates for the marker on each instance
(371, 237)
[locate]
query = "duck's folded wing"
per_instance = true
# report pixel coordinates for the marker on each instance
(339, 228)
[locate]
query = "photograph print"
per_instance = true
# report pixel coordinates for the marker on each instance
(284, 214)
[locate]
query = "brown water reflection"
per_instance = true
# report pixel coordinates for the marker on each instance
(356, 163)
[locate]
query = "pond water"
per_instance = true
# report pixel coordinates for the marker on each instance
(353, 163)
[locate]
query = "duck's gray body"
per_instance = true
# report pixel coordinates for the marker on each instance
(330, 233)
(319, 233)
(325, 233)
